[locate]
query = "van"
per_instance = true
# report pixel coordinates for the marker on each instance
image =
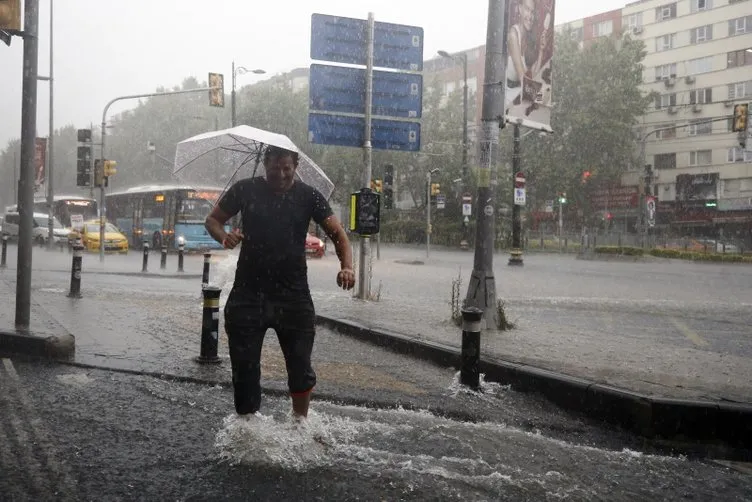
(40, 233)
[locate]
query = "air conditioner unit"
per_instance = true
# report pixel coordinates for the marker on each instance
(697, 108)
(672, 110)
(728, 103)
(637, 30)
(669, 82)
(690, 79)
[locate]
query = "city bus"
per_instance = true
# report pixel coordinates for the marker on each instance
(162, 214)
(63, 206)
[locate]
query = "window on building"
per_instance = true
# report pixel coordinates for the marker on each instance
(700, 65)
(664, 12)
(472, 85)
(665, 72)
(663, 132)
(603, 28)
(701, 96)
(740, 90)
(700, 5)
(701, 158)
(665, 100)
(634, 20)
(701, 34)
(665, 42)
(736, 154)
(740, 26)
(665, 161)
(700, 127)
(740, 58)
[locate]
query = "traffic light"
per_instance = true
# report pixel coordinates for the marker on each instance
(110, 168)
(217, 91)
(10, 15)
(740, 117)
(586, 176)
(376, 185)
(99, 179)
(711, 203)
(435, 189)
(562, 197)
(388, 186)
(365, 215)
(83, 159)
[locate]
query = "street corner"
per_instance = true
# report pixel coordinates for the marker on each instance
(32, 344)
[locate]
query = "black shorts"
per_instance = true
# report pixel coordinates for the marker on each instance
(248, 315)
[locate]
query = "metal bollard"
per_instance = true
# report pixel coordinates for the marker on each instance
(470, 361)
(205, 275)
(181, 250)
(163, 259)
(4, 257)
(145, 267)
(210, 327)
(75, 282)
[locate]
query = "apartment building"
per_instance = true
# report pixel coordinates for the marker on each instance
(699, 62)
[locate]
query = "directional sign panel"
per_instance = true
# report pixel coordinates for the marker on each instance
(342, 89)
(339, 130)
(343, 40)
(519, 196)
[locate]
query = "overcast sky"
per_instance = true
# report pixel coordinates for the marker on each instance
(109, 48)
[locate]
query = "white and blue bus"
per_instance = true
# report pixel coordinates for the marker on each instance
(166, 214)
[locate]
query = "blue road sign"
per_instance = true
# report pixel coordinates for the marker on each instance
(340, 130)
(343, 40)
(343, 90)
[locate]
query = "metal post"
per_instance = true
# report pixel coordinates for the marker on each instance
(561, 220)
(470, 359)
(75, 282)
(210, 327)
(15, 178)
(50, 146)
(205, 274)
(364, 280)
(516, 255)
(163, 259)
(91, 163)
(26, 175)
(232, 95)
(181, 250)
(481, 292)
(145, 266)
(4, 254)
(428, 214)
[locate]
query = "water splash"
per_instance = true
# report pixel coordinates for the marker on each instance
(488, 390)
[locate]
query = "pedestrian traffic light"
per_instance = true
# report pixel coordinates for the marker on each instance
(586, 176)
(217, 91)
(10, 15)
(435, 189)
(110, 168)
(740, 118)
(388, 186)
(376, 186)
(83, 166)
(365, 212)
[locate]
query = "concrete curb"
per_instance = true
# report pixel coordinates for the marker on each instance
(696, 425)
(58, 347)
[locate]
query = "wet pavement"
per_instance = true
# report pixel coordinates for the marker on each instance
(84, 434)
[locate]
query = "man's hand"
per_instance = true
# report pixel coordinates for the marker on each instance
(232, 239)
(346, 279)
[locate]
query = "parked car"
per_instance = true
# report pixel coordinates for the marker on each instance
(314, 247)
(40, 231)
(114, 240)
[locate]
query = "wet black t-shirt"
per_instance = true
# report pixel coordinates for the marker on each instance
(272, 257)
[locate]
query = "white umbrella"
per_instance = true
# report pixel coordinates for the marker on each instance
(224, 157)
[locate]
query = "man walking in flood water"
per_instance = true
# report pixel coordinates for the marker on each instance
(271, 281)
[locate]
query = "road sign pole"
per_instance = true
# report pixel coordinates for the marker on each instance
(428, 214)
(364, 280)
(481, 292)
(516, 253)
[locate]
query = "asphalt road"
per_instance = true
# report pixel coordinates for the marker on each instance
(73, 434)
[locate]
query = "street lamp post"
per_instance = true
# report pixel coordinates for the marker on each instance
(428, 210)
(235, 71)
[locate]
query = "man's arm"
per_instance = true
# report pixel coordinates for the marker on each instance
(337, 234)
(215, 224)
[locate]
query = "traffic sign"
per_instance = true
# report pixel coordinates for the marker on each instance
(519, 196)
(440, 201)
(343, 90)
(343, 40)
(549, 206)
(341, 130)
(467, 209)
(519, 180)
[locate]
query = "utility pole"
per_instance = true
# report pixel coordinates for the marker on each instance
(51, 146)
(481, 291)
(428, 211)
(516, 255)
(26, 176)
(232, 96)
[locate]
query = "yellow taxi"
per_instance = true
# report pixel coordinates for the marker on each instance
(114, 240)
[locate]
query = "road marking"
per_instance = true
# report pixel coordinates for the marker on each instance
(62, 477)
(688, 332)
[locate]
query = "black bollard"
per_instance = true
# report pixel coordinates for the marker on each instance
(4, 257)
(75, 281)
(181, 250)
(145, 267)
(163, 259)
(205, 275)
(210, 327)
(470, 362)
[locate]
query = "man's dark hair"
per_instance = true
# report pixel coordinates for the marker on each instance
(276, 152)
